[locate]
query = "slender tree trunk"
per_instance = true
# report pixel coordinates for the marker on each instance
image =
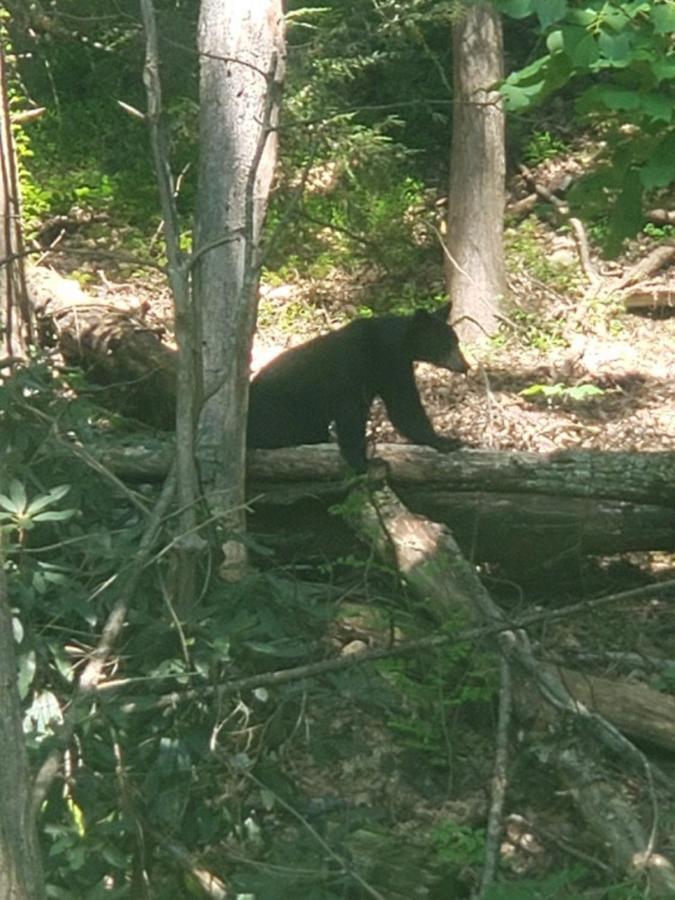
(15, 319)
(242, 60)
(20, 863)
(475, 257)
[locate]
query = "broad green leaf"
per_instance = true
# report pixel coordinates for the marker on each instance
(616, 47)
(663, 68)
(517, 98)
(660, 170)
(625, 218)
(580, 46)
(582, 17)
(610, 96)
(663, 18)
(516, 9)
(637, 8)
(529, 72)
(614, 18)
(583, 391)
(549, 11)
(554, 41)
(659, 107)
(542, 390)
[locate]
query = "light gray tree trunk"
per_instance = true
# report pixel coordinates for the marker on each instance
(15, 317)
(475, 255)
(20, 864)
(242, 44)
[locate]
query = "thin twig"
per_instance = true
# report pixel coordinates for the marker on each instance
(499, 780)
(310, 670)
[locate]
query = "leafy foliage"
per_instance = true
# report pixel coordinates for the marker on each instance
(620, 53)
(550, 392)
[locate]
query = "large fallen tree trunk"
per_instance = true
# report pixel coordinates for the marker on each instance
(502, 506)
(112, 343)
(581, 743)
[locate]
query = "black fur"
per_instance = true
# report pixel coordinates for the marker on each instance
(335, 377)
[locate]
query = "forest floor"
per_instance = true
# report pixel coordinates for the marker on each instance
(574, 369)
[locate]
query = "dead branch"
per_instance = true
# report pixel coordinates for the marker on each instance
(661, 256)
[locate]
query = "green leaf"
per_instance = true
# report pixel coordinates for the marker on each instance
(518, 98)
(660, 170)
(625, 218)
(17, 493)
(17, 630)
(580, 46)
(554, 41)
(542, 390)
(583, 391)
(529, 73)
(663, 18)
(27, 669)
(582, 17)
(52, 496)
(616, 47)
(549, 11)
(57, 515)
(614, 18)
(609, 95)
(637, 8)
(659, 107)
(663, 68)
(516, 9)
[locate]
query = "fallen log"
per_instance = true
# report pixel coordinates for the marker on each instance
(112, 343)
(649, 296)
(511, 507)
(582, 742)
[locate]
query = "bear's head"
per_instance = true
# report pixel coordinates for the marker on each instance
(433, 340)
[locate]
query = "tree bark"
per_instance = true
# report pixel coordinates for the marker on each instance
(16, 325)
(20, 863)
(475, 271)
(241, 49)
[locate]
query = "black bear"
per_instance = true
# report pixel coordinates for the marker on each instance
(335, 377)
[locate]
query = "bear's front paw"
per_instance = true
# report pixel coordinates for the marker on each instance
(447, 444)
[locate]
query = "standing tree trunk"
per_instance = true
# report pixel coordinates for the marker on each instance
(15, 317)
(241, 47)
(475, 257)
(20, 863)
